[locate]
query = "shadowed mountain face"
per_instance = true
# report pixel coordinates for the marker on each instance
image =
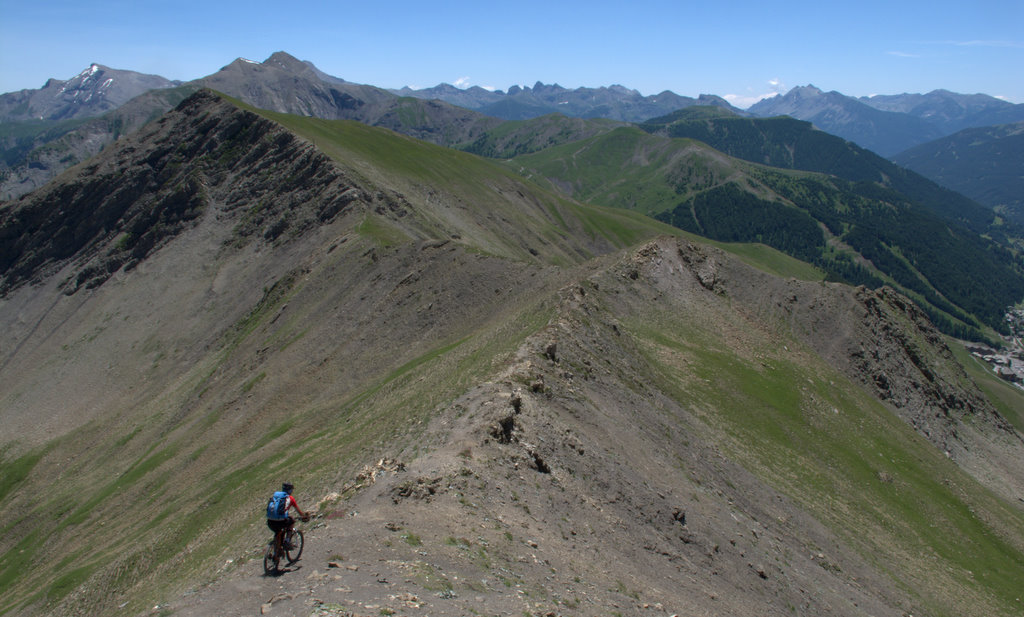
(497, 399)
(122, 206)
(36, 154)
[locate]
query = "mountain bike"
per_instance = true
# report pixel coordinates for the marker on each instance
(289, 548)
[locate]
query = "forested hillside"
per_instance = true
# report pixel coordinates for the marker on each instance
(986, 164)
(795, 144)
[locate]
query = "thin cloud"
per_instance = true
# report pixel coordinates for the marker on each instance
(744, 101)
(902, 54)
(462, 82)
(984, 43)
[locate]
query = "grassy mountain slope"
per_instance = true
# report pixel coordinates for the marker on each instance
(516, 137)
(858, 230)
(587, 420)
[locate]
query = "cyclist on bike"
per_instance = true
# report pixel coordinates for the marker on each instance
(278, 518)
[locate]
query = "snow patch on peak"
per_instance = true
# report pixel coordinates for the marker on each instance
(89, 72)
(249, 61)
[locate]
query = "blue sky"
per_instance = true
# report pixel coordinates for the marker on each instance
(741, 50)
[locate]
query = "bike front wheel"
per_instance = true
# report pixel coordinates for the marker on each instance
(295, 551)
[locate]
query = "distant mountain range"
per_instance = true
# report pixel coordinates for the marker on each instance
(889, 125)
(35, 150)
(886, 124)
(949, 111)
(787, 143)
(613, 102)
(46, 130)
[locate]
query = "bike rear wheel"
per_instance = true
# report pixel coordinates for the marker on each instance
(295, 552)
(271, 559)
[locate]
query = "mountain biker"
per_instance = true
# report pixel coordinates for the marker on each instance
(278, 518)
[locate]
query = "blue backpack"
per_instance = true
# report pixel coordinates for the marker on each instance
(277, 506)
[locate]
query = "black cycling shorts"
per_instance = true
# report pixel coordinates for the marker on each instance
(278, 525)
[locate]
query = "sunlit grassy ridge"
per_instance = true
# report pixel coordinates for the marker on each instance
(482, 188)
(374, 151)
(518, 137)
(625, 167)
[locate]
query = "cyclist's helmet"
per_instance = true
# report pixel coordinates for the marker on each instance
(287, 487)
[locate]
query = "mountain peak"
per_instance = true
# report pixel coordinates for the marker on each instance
(284, 59)
(93, 91)
(278, 60)
(240, 61)
(88, 73)
(620, 89)
(806, 91)
(287, 62)
(540, 87)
